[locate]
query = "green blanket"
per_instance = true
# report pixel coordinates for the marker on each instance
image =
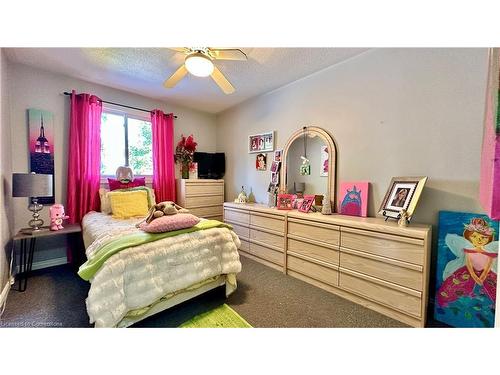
(91, 266)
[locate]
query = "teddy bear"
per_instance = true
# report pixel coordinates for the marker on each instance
(57, 215)
(162, 209)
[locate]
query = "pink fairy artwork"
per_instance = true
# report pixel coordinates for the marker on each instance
(466, 280)
(353, 198)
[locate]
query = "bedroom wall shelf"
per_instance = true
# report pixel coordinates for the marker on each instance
(203, 198)
(366, 260)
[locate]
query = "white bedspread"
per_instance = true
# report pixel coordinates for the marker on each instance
(138, 276)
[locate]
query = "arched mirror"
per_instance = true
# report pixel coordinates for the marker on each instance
(310, 163)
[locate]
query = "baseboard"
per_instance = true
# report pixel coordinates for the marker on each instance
(46, 263)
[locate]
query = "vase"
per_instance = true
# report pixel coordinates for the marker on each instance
(185, 171)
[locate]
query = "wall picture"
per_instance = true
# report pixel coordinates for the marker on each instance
(324, 162)
(261, 142)
(261, 162)
(41, 145)
(277, 155)
(353, 198)
(466, 279)
(403, 194)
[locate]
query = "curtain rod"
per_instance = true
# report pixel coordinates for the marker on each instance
(120, 105)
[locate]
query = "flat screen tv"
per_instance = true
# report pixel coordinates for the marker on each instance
(210, 164)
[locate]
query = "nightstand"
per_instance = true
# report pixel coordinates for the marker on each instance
(29, 241)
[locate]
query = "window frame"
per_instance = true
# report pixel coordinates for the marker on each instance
(126, 115)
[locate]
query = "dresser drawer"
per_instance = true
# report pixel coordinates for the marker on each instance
(266, 253)
(387, 296)
(208, 200)
(401, 248)
(240, 230)
(313, 270)
(206, 211)
(268, 222)
(245, 245)
(377, 267)
(204, 189)
(267, 238)
(314, 251)
(237, 216)
(329, 234)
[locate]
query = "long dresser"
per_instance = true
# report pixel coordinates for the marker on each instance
(203, 198)
(366, 260)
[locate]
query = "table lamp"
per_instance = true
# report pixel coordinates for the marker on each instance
(34, 186)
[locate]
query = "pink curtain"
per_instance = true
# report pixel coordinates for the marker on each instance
(84, 156)
(163, 156)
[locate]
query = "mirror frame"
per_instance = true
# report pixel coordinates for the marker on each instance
(332, 160)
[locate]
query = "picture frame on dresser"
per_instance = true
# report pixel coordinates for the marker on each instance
(403, 194)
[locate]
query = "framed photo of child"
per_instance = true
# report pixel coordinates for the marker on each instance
(307, 202)
(403, 194)
(285, 202)
(260, 162)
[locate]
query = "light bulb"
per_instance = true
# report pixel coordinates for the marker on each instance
(199, 65)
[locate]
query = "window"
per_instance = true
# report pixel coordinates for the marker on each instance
(125, 140)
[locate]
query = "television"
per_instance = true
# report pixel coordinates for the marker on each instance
(210, 164)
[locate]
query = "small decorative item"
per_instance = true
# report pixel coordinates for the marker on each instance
(305, 168)
(327, 206)
(277, 155)
(260, 162)
(298, 202)
(57, 215)
(184, 152)
(353, 198)
(124, 174)
(466, 279)
(193, 170)
(307, 202)
(403, 219)
(285, 201)
(403, 193)
(41, 146)
(275, 166)
(261, 142)
(324, 162)
(275, 178)
(251, 196)
(242, 196)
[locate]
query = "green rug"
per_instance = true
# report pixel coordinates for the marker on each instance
(220, 317)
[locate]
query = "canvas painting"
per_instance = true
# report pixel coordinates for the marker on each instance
(41, 145)
(353, 198)
(466, 279)
(324, 162)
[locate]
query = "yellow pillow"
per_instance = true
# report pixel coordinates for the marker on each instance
(126, 204)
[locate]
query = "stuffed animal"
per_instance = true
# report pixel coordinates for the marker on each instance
(162, 209)
(57, 215)
(124, 174)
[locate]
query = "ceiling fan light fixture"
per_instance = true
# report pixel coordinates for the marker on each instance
(199, 65)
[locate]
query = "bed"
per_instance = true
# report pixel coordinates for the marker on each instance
(142, 278)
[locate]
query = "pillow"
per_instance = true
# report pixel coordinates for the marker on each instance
(105, 203)
(127, 204)
(117, 184)
(169, 223)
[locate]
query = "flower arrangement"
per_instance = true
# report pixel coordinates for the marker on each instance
(184, 152)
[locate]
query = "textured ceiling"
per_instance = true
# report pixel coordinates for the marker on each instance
(143, 71)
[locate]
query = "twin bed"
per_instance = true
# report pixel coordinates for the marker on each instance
(134, 274)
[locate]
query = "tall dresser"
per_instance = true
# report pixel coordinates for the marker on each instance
(203, 198)
(366, 260)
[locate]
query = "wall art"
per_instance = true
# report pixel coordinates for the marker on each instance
(261, 142)
(353, 198)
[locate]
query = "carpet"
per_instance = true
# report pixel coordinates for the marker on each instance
(220, 317)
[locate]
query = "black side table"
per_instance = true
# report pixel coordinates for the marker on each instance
(28, 243)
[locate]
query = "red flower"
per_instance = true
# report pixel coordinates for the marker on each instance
(190, 144)
(185, 149)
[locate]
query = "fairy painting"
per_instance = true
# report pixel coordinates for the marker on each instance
(466, 270)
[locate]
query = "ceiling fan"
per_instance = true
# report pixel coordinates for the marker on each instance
(199, 61)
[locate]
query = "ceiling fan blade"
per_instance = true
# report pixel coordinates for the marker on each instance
(176, 77)
(228, 54)
(180, 49)
(222, 81)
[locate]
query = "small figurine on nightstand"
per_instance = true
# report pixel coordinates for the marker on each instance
(242, 197)
(57, 215)
(403, 218)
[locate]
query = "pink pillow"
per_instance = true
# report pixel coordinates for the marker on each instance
(169, 223)
(117, 184)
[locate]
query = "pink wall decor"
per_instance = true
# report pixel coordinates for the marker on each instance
(489, 188)
(353, 198)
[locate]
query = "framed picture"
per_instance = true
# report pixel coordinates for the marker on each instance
(323, 172)
(353, 198)
(403, 194)
(261, 162)
(305, 169)
(275, 178)
(306, 203)
(277, 155)
(275, 166)
(466, 270)
(285, 202)
(261, 142)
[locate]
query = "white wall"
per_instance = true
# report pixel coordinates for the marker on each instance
(6, 226)
(392, 112)
(33, 88)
